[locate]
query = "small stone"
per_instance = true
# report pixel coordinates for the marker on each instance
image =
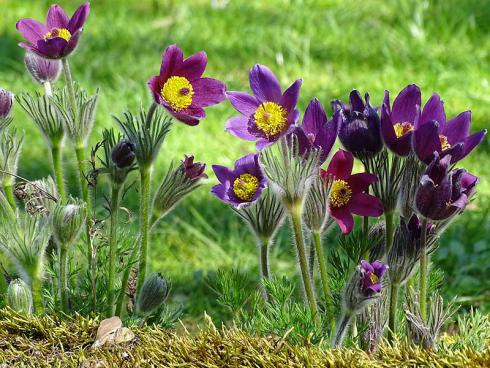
(107, 330)
(123, 335)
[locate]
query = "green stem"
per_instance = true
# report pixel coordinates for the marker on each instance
(124, 282)
(390, 230)
(342, 327)
(48, 90)
(303, 262)
(394, 290)
(145, 174)
(63, 277)
(311, 260)
(37, 294)
(58, 170)
(9, 194)
(69, 86)
(86, 197)
(324, 277)
(116, 190)
(264, 264)
(423, 271)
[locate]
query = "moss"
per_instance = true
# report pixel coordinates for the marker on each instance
(52, 342)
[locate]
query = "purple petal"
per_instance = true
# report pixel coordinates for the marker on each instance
(343, 218)
(472, 141)
(193, 67)
(387, 129)
(56, 17)
(366, 266)
(341, 165)
(433, 110)
(72, 44)
(155, 86)
(360, 182)
(426, 140)
(458, 128)
(363, 204)
(190, 116)
(223, 173)
(248, 162)
(264, 84)
(315, 118)
(79, 17)
(290, 97)
(379, 268)
(52, 48)
(238, 126)
(243, 102)
(31, 29)
(171, 61)
(356, 102)
(405, 105)
(207, 92)
(263, 143)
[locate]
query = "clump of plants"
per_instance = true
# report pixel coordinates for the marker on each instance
(64, 254)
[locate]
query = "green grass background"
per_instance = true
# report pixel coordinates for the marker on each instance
(334, 46)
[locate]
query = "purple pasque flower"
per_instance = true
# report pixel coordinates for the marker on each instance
(316, 131)
(442, 193)
(267, 115)
(6, 101)
(371, 274)
(398, 121)
(122, 155)
(193, 170)
(360, 130)
(59, 37)
(180, 87)
(241, 185)
(348, 192)
(41, 69)
(448, 137)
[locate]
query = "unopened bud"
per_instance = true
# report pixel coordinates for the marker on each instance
(19, 297)
(67, 222)
(42, 70)
(152, 295)
(123, 154)
(6, 101)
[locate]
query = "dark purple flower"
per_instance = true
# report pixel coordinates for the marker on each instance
(360, 130)
(193, 170)
(122, 154)
(6, 101)
(243, 184)
(267, 115)
(317, 132)
(434, 133)
(398, 122)
(371, 274)
(181, 89)
(59, 37)
(41, 69)
(443, 194)
(347, 195)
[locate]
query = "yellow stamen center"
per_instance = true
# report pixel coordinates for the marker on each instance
(270, 118)
(245, 186)
(374, 279)
(444, 142)
(59, 32)
(403, 128)
(340, 194)
(178, 92)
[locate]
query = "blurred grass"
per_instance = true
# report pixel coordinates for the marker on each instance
(333, 45)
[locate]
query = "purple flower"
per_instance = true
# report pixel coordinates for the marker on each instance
(6, 101)
(267, 115)
(193, 170)
(243, 184)
(59, 37)
(443, 194)
(181, 89)
(360, 131)
(317, 132)
(347, 195)
(371, 274)
(434, 133)
(398, 122)
(122, 154)
(41, 69)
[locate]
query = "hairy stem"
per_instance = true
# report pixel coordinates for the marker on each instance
(311, 260)
(303, 262)
(390, 230)
(342, 327)
(86, 197)
(48, 90)
(394, 291)
(115, 199)
(70, 87)
(124, 282)
(263, 246)
(63, 276)
(8, 189)
(58, 170)
(322, 265)
(145, 175)
(37, 294)
(423, 271)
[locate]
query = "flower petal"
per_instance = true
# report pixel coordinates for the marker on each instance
(238, 126)
(314, 118)
(31, 29)
(52, 48)
(405, 105)
(207, 92)
(264, 84)
(360, 182)
(193, 67)
(190, 116)
(387, 129)
(56, 17)
(243, 102)
(223, 173)
(343, 218)
(458, 128)
(290, 97)
(72, 44)
(79, 17)
(472, 141)
(341, 164)
(426, 140)
(433, 110)
(363, 204)
(356, 102)
(172, 59)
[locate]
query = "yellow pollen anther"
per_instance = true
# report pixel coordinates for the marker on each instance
(340, 193)
(245, 186)
(444, 142)
(403, 128)
(374, 279)
(59, 32)
(178, 92)
(270, 118)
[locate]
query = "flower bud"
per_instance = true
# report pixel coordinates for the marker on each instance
(6, 101)
(193, 170)
(67, 222)
(42, 70)
(152, 295)
(123, 154)
(19, 297)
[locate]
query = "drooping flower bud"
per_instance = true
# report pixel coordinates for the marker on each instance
(19, 296)
(6, 101)
(193, 170)
(42, 70)
(317, 207)
(67, 221)
(154, 292)
(123, 154)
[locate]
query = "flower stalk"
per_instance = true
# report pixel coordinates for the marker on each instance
(115, 200)
(423, 271)
(390, 230)
(394, 291)
(145, 176)
(58, 169)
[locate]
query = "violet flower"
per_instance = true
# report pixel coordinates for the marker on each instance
(41, 69)
(443, 194)
(316, 131)
(371, 274)
(193, 170)
(267, 115)
(360, 130)
(6, 101)
(434, 133)
(122, 154)
(347, 195)
(398, 122)
(180, 87)
(59, 37)
(241, 185)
